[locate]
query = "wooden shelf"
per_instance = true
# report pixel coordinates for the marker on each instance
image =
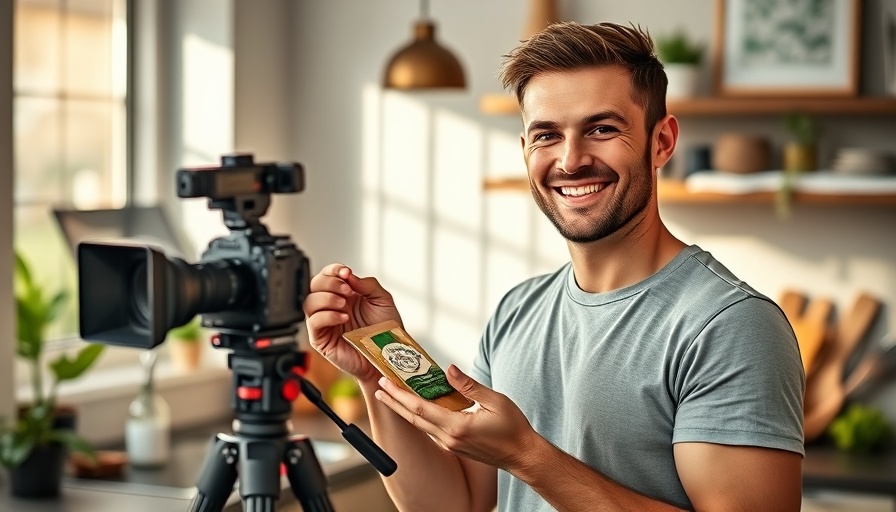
(675, 192)
(505, 104)
(758, 106)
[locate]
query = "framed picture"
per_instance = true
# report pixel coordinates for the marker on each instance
(787, 47)
(889, 31)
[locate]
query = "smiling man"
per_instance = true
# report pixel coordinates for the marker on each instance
(642, 375)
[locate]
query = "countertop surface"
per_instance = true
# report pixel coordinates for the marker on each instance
(170, 488)
(827, 468)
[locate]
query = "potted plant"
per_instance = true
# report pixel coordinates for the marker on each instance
(186, 346)
(34, 447)
(798, 155)
(800, 151)
(681, 58)
(345, 398)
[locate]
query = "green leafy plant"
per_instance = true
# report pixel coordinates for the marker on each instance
(190, 332)
(35, 425)
(799, 156)
(678, 48)
(344, 387)
(802, 128)
(860, 429)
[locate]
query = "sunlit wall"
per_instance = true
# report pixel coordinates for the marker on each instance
(395, 178)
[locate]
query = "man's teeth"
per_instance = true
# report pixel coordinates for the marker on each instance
(581, 191)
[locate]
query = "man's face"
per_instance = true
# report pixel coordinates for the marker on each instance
(587, 151)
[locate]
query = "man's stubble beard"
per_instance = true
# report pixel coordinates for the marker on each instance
(620, 211)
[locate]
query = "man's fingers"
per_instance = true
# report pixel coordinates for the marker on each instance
(324, 301)
(411, 407)
(323, 319)
(327, 283)
(334, 269)
(465, 384)
(370, 289)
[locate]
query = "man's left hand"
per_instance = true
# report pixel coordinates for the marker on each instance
(494, 431)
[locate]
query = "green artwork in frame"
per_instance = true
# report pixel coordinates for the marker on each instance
(787, 47)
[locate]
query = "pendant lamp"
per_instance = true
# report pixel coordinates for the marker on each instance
(423, 63)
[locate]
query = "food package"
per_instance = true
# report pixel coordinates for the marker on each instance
(399, 358)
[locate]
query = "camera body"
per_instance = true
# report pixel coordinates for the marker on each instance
(277, 274)
(248, 283)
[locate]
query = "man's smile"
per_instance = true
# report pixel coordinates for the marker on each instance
(581, 190)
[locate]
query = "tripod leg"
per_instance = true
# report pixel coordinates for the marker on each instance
(217, 477)
(306, 478)
(259, 469)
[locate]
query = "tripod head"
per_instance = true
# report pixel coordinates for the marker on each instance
(248, 287)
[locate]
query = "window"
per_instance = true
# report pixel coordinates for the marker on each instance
(70, 83)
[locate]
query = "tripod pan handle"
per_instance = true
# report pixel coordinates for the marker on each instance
(370, 450)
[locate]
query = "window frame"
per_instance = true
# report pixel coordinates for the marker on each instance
(71, 342)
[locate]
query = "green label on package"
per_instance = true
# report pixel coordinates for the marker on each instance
(424, 377)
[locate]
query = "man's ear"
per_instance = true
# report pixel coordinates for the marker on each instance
(663, 141)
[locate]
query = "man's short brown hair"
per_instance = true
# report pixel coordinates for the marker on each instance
(569, 46)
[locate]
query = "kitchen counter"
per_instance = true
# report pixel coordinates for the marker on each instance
(826, 468)
(170, 488)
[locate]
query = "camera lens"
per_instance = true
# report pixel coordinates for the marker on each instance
(140, 313)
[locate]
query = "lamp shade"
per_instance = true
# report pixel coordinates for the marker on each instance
(424, 64)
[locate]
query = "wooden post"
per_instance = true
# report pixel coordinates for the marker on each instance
(541, 14)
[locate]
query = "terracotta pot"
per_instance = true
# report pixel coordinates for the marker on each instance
(349, 409)
(322, 374)
(186, 355)
(741, 153)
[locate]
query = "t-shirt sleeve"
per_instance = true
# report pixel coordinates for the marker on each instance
(741, 381)
(481, 371)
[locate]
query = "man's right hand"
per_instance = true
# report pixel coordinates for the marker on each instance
(339, 302)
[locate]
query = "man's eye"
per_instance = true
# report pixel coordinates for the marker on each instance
(604, 130)
(542, 137)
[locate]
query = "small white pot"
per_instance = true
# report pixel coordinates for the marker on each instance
(683, 79)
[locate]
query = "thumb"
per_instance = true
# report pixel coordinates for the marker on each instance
(368, 287)
(465, 384)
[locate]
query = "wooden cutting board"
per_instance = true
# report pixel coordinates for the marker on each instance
(812, 332)
(792, 303)
(824, 389)
(811, 324)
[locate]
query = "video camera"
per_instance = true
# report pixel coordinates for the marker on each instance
(247, 282)
(249, 287)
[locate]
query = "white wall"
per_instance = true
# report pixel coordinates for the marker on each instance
(262, 89)
(199, 121)
(395, 178)
(7, 326)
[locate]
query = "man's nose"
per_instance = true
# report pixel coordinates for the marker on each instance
(575, 156)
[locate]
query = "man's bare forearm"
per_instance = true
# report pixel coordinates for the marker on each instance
(569, 485)
(427, 478)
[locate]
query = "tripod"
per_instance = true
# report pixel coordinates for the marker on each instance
(267, 376)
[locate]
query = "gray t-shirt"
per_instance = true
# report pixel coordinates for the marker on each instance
(615, 379)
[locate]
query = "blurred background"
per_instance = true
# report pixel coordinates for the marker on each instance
(425, 188)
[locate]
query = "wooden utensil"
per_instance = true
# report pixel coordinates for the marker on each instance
(812, 327)
(824, 390)
(792, 303)
(812, 331)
